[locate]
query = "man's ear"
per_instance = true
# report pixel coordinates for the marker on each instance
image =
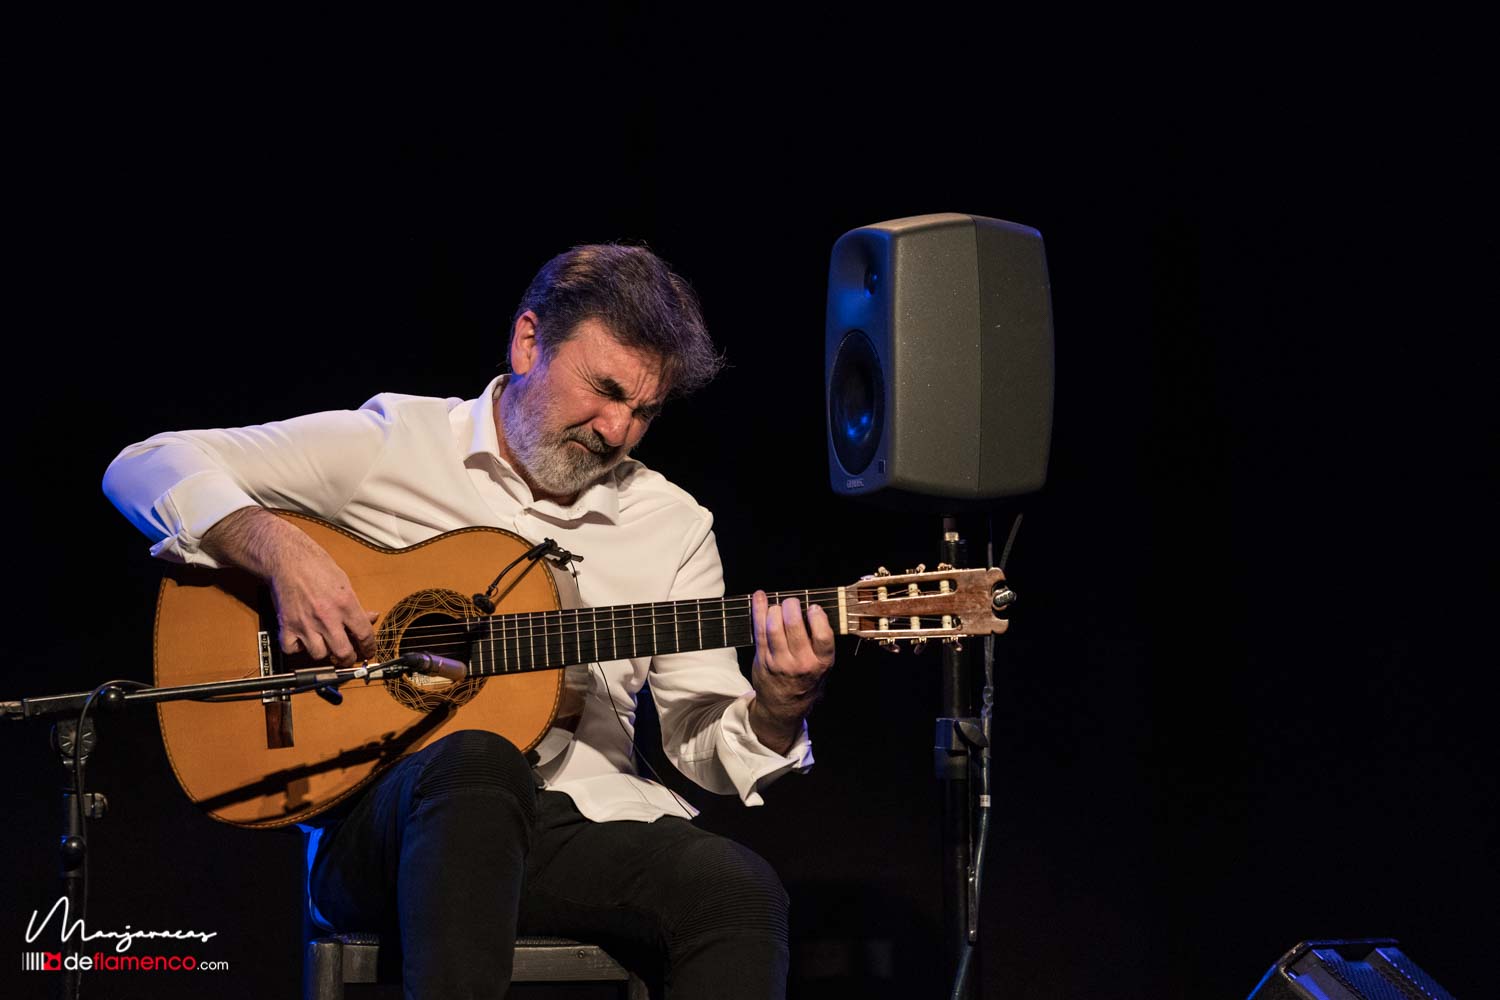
(524, 349)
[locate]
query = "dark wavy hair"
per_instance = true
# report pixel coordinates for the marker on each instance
(637, 296)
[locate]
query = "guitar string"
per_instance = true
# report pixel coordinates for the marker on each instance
(720, 609)
(661, 615)
(578, 627)
(630, 615)
(565, 640)
(688, 612)
(581, 627)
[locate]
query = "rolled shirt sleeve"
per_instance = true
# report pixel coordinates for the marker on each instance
(173, 487)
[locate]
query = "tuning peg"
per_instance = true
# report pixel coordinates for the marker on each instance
(889, 645)
(943, 567)
(920, 568)
(918, 645)
(955, 642)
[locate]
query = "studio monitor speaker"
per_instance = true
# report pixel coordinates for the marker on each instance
(938, 361)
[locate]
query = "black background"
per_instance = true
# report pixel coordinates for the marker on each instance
(1244, 700)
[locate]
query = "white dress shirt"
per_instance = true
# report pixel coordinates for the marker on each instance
(402, 469)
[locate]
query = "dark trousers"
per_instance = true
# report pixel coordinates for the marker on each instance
(453, 852)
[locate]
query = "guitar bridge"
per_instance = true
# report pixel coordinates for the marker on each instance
(278, 704)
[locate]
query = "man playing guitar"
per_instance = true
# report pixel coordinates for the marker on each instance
(458, 847)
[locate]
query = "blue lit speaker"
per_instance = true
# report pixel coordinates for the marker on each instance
(938, 361)
(1370, 969)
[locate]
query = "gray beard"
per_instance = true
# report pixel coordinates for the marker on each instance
(556, 467)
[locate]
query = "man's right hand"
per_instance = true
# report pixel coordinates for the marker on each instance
(316, 606)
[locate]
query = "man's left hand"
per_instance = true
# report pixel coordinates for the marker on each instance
(792, 653)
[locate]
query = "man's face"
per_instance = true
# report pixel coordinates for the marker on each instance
(568, 421)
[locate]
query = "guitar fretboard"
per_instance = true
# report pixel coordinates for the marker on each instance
(548, 640)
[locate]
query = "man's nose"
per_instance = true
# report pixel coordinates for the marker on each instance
(613, 424)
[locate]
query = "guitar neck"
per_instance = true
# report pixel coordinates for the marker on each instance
(549, 640)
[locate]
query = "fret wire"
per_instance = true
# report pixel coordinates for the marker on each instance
(561, 655)
(475, 645)
(698, 613)
(594, 625)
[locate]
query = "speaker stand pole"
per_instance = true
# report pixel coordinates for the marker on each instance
(953, 737)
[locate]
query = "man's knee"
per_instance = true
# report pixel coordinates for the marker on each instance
(735, 889)
(476, 761)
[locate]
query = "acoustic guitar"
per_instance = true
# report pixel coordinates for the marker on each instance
(273, 760)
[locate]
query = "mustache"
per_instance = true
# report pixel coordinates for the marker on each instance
(592, 440)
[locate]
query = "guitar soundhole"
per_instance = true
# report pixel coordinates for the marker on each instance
(432, 621)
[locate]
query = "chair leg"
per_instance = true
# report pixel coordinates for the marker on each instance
(323, 970)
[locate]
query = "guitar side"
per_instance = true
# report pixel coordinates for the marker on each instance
(256, 764)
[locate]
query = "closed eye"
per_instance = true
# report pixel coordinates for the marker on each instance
(613, 391)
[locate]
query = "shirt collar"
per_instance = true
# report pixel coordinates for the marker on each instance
(601, 498)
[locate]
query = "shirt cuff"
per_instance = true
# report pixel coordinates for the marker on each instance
(186, 512)
(749, 763)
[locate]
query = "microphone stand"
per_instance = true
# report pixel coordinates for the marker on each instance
(957, 737)
(74, 738)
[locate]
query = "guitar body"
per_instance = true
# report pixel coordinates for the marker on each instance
(270, 762)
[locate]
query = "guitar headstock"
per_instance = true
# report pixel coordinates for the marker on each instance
(944, 604)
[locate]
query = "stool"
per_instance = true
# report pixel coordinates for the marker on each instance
(338, 959)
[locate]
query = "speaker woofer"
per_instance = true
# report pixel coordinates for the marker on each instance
(856, 403)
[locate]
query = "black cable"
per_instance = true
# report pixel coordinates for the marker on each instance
(1014, 527)
(687, 810)
(545, 548)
